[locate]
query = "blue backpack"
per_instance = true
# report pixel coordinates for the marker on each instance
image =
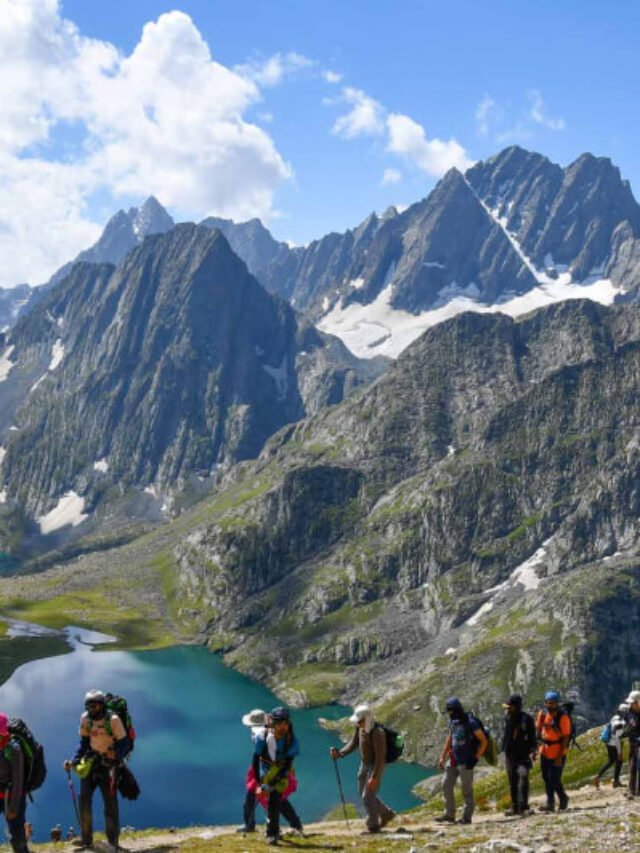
(605, 734)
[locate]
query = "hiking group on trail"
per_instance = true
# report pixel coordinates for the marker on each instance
(107, 738)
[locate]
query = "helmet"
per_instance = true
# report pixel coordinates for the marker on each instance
(623, 708)
(634, 696)
(94, 696)
(552, 696)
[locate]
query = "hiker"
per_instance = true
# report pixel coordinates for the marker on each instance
(103, 745)
(553, 729)
(633, 731)
(13, 797)
(612, 738)
(520, 751)
(274, 774)
(464, 746)
(258, 721)
(371, 740)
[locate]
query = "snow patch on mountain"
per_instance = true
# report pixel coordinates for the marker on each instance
(68, 511)
(57, 354)
(101, 465)
(380, 329)
(6, 364)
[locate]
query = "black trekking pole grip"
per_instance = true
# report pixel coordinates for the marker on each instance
(344, 805)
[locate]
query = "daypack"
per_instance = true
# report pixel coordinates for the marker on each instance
(605, 734)
(117, 705)
(490, 754)
(395, 743)
(35, 766)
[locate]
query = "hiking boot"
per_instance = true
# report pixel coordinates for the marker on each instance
(444, 818)
(596, 781)
(245, 829)
(272, 840)
(298, 831)
(465, 820)
(616, 783)
(387, 818)
(510, 812)
(564, 804)
(548, 808)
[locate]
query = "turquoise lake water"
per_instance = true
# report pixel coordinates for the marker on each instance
(192, 751)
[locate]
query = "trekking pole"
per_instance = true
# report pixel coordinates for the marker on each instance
(74, 798)
(344, 805)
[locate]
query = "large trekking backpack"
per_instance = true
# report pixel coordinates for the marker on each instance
(395, 743)
(35, 766)
(490, 754)
(118, 706)
(567, 708)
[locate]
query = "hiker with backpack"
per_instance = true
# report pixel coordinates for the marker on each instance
(520, 751)
(274, 772)
(370, 738)
(104, 742)
(611, 737)
(553, 730)
(632, 730)
(256, 720)
(466, 743)
(13, 797)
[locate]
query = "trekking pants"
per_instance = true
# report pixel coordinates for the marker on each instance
(466, 780)
(16, 825)
(518, 774)
(100, 777)
(278, 806)
(374, 806)
(634, 770)
(552, 776)
(249, 810)
(614, 759)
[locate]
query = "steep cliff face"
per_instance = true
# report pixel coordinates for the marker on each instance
(474, 511)
(171, 365)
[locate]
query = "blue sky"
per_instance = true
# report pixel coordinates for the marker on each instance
(308, 114)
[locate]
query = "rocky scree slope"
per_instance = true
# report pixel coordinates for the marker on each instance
(469, 522)
(175, 363)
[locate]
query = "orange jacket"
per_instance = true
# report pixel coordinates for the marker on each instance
(552, 729)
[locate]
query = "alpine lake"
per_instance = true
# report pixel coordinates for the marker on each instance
(192, 751)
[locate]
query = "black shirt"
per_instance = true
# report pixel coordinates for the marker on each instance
(519, 738)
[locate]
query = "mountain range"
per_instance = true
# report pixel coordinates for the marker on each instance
(152, 375)
(348, 527)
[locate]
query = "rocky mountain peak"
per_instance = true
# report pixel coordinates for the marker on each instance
(150, 218)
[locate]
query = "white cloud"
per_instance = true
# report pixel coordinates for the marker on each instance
(433, 156)
(484, 112)
(166, 119)
(365, 117)
(537, 112)
(331, 76)
(404, 136)
(390, 176)
(505, 124)
(271, 71)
